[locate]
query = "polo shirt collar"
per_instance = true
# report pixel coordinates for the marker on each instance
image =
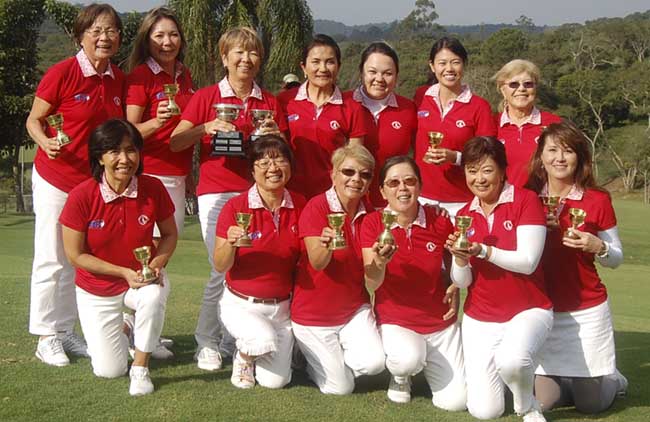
(227, 92)
(335, 204)
(420, 220)
(464, 97)
(575, 194)
(336, 98)
(359, 96)
(255, 200)
(535, 118)
(507, 195)
(109, 195)
(87, 69)
(157, 68)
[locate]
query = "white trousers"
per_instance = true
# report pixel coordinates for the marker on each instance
(52, 303)
(209, 327)
(264, 331)
(102, 324)
(503, 354)
(336, 355)
(175, 186)
(451, 207)
(439, 354)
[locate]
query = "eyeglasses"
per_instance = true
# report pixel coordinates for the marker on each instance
(364, 174)
(97, 32)
(517, 84)
(408, 181)
(266, 163)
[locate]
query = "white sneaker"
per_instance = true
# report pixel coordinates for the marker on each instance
(534, 414)
(50, 351)
(243, 372)
(208, 359)
(167, 342)
(399, 391)
(73, 344)
(160, 352)
(622, 384)
(140, 382)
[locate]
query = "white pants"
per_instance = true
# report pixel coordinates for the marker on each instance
(336, 355)
(208, 328)
(498, 354)
(52, 304)
(264, 331)
(440, 354)
(175, 186)
(102, 324)
(451, 207)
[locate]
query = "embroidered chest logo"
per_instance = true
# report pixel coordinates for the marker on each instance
(256, 235)
(334, 125)
(431, 246)
(117, 101)
(82, 98)
(396, 125)
(507, 225)
(143, 219)
(423, 113)
(96, 224)
(460, 124)
(293, 117)
(160, 95)
(471, 232)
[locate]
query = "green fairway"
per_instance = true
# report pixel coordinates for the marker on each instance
(32, 391)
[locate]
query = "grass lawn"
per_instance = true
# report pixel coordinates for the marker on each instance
(31, 391)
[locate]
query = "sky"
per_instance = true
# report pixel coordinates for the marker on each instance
(452, 12)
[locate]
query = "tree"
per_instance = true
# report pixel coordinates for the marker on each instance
(504, 45)
(19, 23)
(629, 149)
(525, 23)
(420, 22)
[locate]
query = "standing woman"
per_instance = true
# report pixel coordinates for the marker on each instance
(520, 123)
(418, 330)
(222, 177)
(86, 90)
(330, 311)
(320, 119)
(449, 107)
(393, 122)
(579, 352)
(507, 313)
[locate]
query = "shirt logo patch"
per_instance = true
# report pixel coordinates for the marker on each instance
(334, 125)
(507, 225)
(293, 117)
(117, 101)
(96, 224)
(396, 125)
(143, 219)
(160, 95)
(82, 98)
(256, 235)
(460, 123)
(423, 113)
(431, 246)
(470, 232)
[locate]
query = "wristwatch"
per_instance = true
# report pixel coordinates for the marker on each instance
(483, 252)
(604, 251)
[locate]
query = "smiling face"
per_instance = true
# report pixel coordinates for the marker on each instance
(121, 163)
(448, 68)
(164, 41)
(559, 161)
(272, 173)
(104, 45)
(485, 179)
(379, 76)
(321, 66)
(352, 179)
(242, 63)
(520, 91)
(401, 188)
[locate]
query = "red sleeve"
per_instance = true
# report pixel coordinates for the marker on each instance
(313, 218)
(531, 211)
(370, 229)
(136, 93)
(359, 122)
(226, 219)
(49, 88)
(164, 204)
(419, 94)
(280, 117)
(197, 110)
(607, 216)
(444, 227)
(75, 211)
(485, 124)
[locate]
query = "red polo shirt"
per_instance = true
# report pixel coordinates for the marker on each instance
(521, 142)
(86, 99)
(469, 116)
(220, 174)
(265, 270)
(285, 96)
(316, 133)
(114, 225)
(497, 295)
(333, 295)
(145, 89)
(571, 277)
(412, 292)
(391, 133)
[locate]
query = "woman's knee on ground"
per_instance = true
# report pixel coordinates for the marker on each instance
(110, 369)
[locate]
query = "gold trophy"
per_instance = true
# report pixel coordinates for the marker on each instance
(435, 139)
(386, 237)
(56, 122)
(577, 218)
(336, 221)
(170, 91)
(143, 255)
(259, 118)
(243, 220)
(551, 202)
(463, 223)
(227, 143)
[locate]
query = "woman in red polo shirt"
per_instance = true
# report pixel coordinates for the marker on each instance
(418, 330)
(222, 177)
(259, 278)
(585, 364)
(330, 311)
(86, 90)
(449, 107)
(520, 123)
(320, 119)
(104, 220)
(393, 127)
(507, 313)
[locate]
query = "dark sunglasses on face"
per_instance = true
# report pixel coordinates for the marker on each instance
(516, 84)
(364, 174)
(408, 181)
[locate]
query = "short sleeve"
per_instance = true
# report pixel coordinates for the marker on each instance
(359, 120)
(164, 204)
(485, 123)
(197, 110)
(49, 88)
(279, 117)
(370, 229)
(226, 219)
(76, 211)
(607, 216)
(136, 93)
(531, 211)
(313, 218)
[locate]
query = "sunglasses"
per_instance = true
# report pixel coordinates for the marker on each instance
(516, 84)
(408, 181)
(364, 174)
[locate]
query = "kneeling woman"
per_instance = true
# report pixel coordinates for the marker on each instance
(417, 328)
(104, 219)
(259, 278)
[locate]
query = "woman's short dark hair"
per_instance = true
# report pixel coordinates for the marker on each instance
(108, 136)
(322, 40)
(399, 159)
(271, 146)
(381, 48)
(481, 147)
(89, 14)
